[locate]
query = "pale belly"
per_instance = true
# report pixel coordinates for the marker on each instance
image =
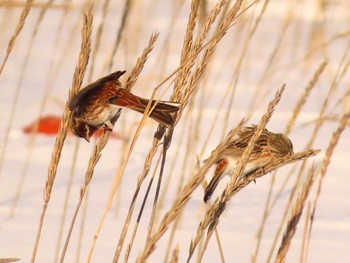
(106, 115)
(232, 165)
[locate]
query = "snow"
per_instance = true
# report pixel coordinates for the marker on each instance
(238, 226)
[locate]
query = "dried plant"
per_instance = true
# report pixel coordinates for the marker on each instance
(295, 216)
(77, 80)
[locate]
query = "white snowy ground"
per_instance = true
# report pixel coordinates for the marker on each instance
(331, 230)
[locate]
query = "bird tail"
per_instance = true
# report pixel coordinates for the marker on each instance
(162, 113)
(219, 171)
(211, 187)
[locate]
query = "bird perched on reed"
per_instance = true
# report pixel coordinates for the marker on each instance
(268, 147)
(97, 104)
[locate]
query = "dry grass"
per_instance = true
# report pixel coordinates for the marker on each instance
(297, 110)
(19, 27)
(7, 260)
(295, 217)
(218, 47)
(76, 84)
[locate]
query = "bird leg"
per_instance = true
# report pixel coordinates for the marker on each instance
(108, 126)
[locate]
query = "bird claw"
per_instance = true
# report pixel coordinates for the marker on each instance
(108, 126)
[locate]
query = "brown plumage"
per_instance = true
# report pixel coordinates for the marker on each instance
(268, 147)
(95, 105)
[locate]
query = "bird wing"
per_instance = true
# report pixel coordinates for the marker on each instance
(237, 146)
(83, 93)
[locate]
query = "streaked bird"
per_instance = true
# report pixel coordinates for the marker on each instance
(268, 147)
(97, 104)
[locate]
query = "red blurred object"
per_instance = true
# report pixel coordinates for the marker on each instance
(50, 125)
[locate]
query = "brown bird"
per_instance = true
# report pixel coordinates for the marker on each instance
(95, 105)
(268, 147)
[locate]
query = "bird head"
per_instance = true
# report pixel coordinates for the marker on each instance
(280, 144)
(82, 129)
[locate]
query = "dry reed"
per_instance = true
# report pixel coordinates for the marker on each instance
(66, 200)
(197, 63)
(14, 107)
(295, 216)
(303, 253)
(76, 84)
(22, 20)
(129, 83)
(181, 80)
(175, 255)
(318, 125)
(183, 197)
(123, 22)
(297, 109)
(16, 4)
(326, 161)
(7, 260)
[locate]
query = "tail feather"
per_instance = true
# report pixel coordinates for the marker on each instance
(219, 171)
(162, 113)
(210, 188)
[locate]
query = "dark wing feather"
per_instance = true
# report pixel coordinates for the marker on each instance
(75, 101)
(244, 136)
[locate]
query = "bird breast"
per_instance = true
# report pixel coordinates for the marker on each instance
(103, 115)
(232, 165)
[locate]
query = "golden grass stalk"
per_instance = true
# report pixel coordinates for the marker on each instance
(175, 255)
(16, 4)
(128, 250)
(141, 62)
(18, 30)
(11, 43)
(266, 74)
(318, 125)
(184, 96)
(7, 260)
(63, 217)
(157, 137)
(94, 158)
(81, 227)
(295, 216)
(297, 109)
(186, 126)
(122, 158)
(303, 98)
(14, 106)
(163, 54)
(328, 117)
(140, 180)
(251, 33)
(184, 196)
(303, 253)
(173, 164)
(98, 37)
(77, 80)
(326, 161)
(130, 82)
(66, 199)
(183, 72)
(208, 52)
(155, 202)
(124, 19)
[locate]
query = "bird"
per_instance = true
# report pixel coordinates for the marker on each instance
(98, 103)
(268, 147)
